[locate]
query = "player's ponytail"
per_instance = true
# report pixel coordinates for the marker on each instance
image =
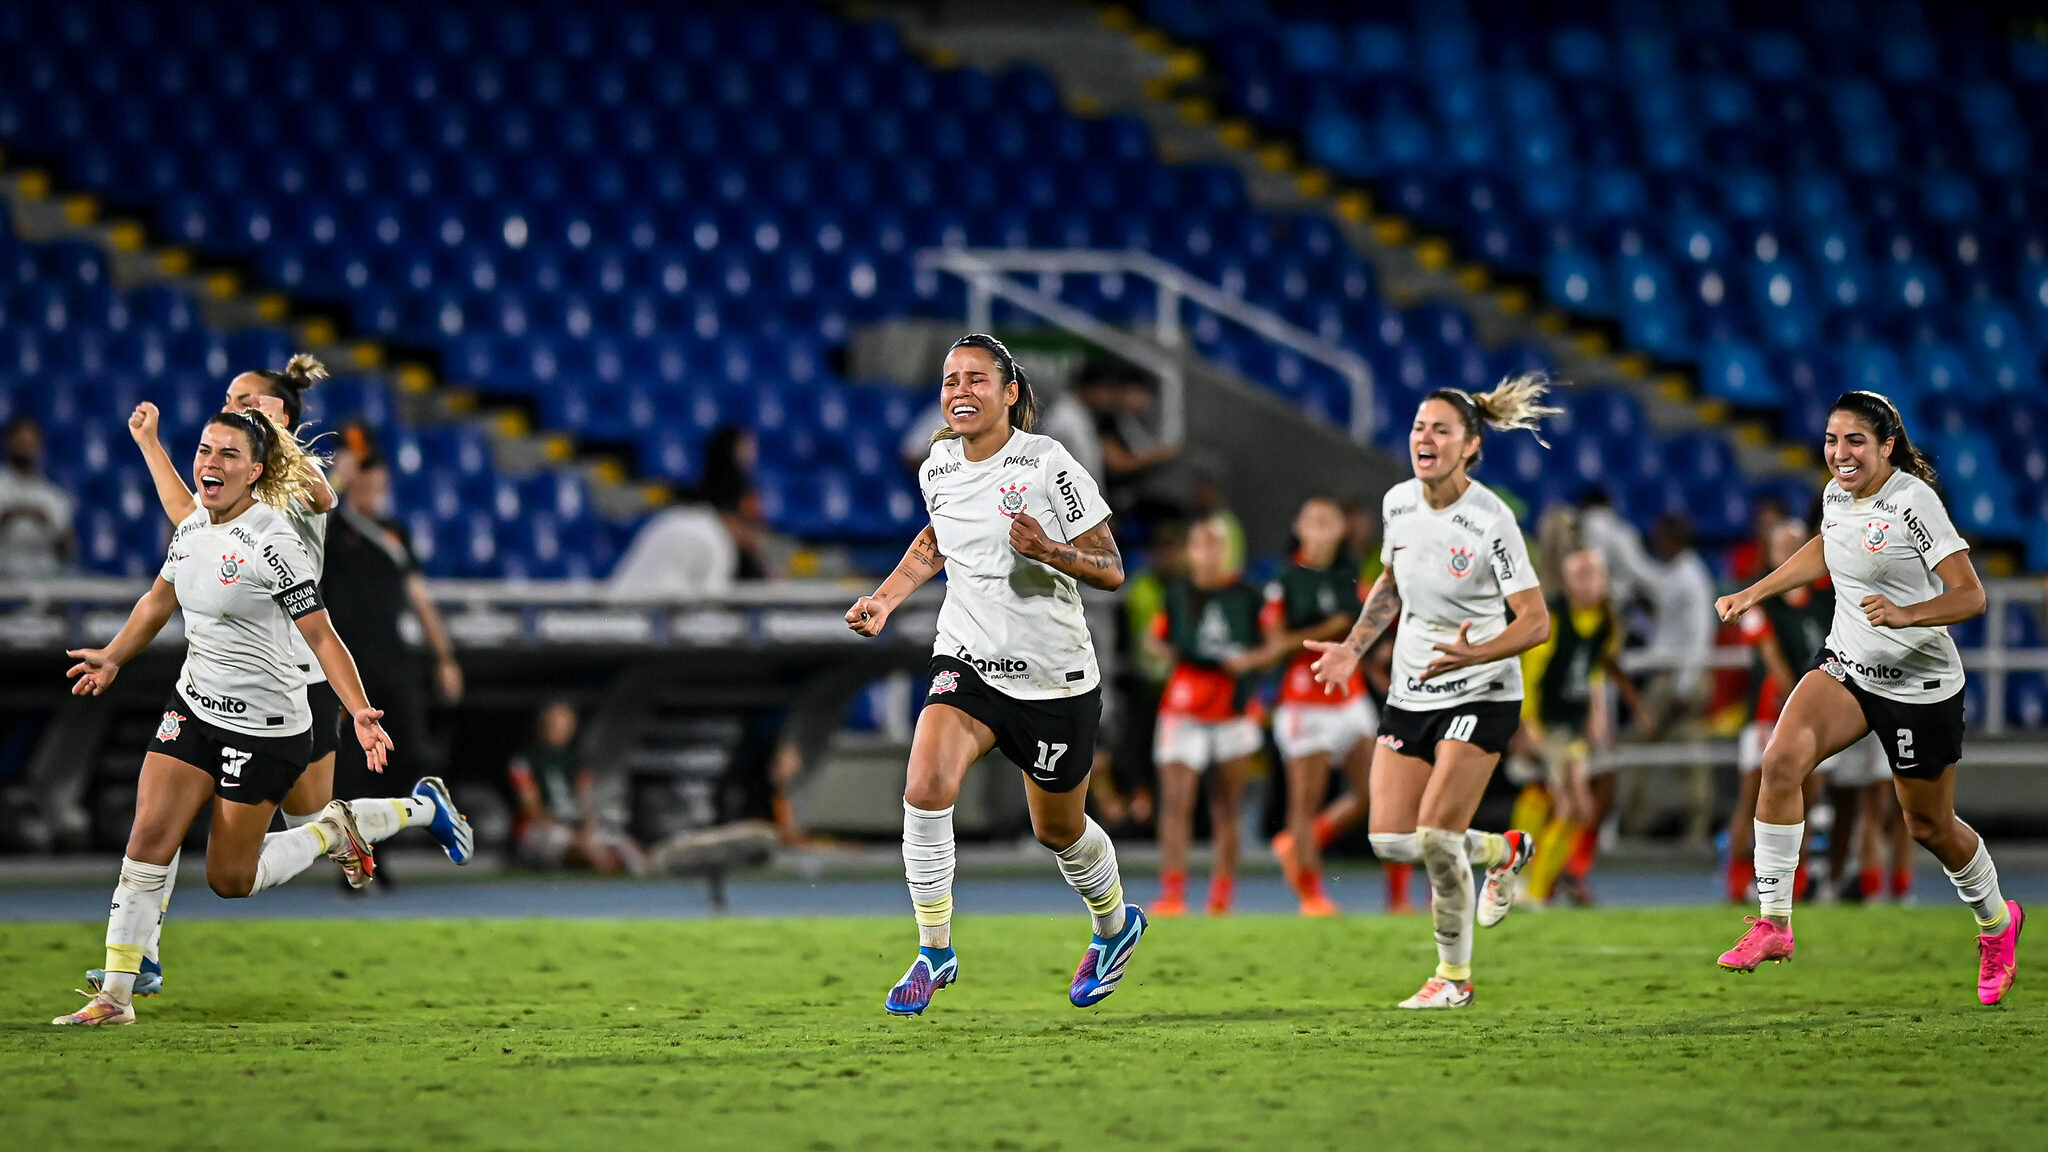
(1877, 410)
(300, 373)
(1024, 410)
(286, 463)
(1515, 404)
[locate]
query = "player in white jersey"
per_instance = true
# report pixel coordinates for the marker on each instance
(1456, 569)
(1016, 524)
(236, 729)
(280, 395)
(1901, 575)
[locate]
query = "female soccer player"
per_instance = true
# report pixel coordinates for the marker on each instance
(1209, 628)
(236, 729)
(1016, 524)
(1316, 598)
(281, 397)
(1901, 575)
(1456, 569)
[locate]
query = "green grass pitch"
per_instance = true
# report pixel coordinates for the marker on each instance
(1600, 1030)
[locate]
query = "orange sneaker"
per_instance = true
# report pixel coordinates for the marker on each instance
(1319, 905)
(1166, 906)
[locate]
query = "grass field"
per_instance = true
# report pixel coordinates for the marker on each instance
(1606, 1030)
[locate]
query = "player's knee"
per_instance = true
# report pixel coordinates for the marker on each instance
(1785, 767)
(1927, 829)
(1442, 849)
(230, 883)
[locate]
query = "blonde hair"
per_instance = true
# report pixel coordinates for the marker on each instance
(1515, 404)
(301, 372)
(286, 463)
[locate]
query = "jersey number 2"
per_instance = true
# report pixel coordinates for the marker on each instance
(1905, 743)
(1049, 757)
(231, 761)
(1461, 727)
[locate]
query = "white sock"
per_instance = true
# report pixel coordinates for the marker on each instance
(1396, 847)
(928, 866)
(291, 821)
(1977, 884)
(135, 913)
(156, 934)
(1089, 864)
(1486, 849)
(1450, 900)
(381, 818)
(286, 854)
(1777, 858)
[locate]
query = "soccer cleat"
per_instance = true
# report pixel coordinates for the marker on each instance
(346, 844)
(934, 968)
(1998, 957)
(1283, 851)
(448, 826)
(99, 1011)
(1319, 905)
(1764, 941)
(148, 982)
(1169, 906)
(1497, 898)
(1102, 965)
(1441, 993)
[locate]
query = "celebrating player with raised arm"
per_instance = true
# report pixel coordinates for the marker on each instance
(1455, 568)
(236, 730)
(1016, 524)
(1902, 575)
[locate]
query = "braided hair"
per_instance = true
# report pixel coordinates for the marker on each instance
(1024, 411)
(1877, 410)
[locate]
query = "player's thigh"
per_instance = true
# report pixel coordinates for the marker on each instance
(946, 743)
(1227, 780)
(169, 795)
(312, 790)
(1179, 784)
(1454, 789)
(234, 843)
(1396, 790)
(1821, 718)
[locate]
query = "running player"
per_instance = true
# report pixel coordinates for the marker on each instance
(1316, 598)
(1456, 570)
(1017, 525)
(1567, 714)
(1901, 576)
(281, 397)
(1209, 628)
(236, 729)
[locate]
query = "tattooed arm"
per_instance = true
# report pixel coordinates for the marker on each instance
(1340, 658)
(919, 564)
(1092, 558)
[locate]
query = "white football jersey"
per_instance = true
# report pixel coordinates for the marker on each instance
(1017, 621)
(312, 529)
(1453, 566)
(1889, 545)
(242, 586)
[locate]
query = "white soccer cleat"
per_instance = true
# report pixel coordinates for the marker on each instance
(1441, 993)
(99, 1012)
(346, 845)
(1497, 898)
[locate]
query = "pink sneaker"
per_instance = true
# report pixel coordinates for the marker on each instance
(1764, 941)
(1998, 957)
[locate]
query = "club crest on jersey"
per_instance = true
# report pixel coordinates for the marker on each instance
(945, 682)
(1461, 562)
(1874, 534)
(167, 729)
(231, 567)
(1012, 499)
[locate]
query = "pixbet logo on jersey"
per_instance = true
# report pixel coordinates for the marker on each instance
(231, 567)
(1874, 535)
(1012, 501)
(1461, 562)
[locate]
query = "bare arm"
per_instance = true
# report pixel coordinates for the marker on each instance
(320, 492)
(171, 492)
(920, 563)
(528, 793)
(1962, 599)
(1338, 660)
(1806, 566)
(97, 667)
(1530, 627)
(447, 672)
(1092, 558)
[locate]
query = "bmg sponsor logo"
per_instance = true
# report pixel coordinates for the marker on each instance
(1070, 496)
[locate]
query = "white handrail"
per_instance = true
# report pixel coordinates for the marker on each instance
(986, 272)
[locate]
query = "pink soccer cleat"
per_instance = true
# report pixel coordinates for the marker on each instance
(1764, 941)
(1998, 957)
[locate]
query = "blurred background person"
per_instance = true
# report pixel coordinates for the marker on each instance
(36, 536)
(559, 825)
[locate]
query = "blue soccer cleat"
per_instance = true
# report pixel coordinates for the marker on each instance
(447, 826)
(933, 969)
(148, 982)
(1102, 965)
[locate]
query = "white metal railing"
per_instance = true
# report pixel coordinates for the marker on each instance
(987, 272)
